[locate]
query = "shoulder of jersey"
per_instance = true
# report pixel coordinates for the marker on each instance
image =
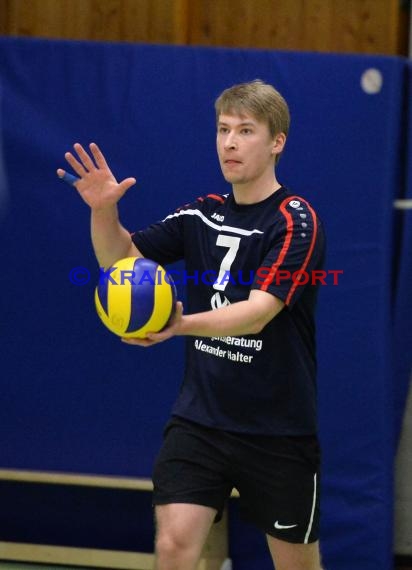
(211, 199)
(296, 206)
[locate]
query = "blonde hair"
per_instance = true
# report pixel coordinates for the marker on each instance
(259, 99)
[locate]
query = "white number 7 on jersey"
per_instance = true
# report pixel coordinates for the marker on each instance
(233, 244)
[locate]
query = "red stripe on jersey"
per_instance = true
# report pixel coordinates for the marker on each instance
(180, 208)
(285, 247)
(216, 197)
(308, 255)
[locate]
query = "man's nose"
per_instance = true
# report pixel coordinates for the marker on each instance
(230, 142)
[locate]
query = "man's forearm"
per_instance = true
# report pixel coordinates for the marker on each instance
(111, 241)
(244, 317)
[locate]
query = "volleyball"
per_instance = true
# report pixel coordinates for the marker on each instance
(135, 296)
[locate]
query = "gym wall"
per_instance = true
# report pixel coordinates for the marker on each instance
(352, 26)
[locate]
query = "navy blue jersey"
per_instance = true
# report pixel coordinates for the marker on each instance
(259, 383)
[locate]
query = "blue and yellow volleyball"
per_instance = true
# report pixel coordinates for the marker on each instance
(135, 296)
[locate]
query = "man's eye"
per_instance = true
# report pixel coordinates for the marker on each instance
(246, 131)
(223, 130)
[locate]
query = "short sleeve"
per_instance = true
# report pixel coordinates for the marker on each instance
(162, 241)
(296, 250)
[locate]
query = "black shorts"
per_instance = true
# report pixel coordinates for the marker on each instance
(277, 477)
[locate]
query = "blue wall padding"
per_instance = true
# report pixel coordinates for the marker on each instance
(4, 191)
(74, 398)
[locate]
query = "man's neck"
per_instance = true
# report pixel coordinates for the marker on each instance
(255, 191)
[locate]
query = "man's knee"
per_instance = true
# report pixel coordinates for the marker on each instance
(181, 531)
(290, 556)
(170, 546)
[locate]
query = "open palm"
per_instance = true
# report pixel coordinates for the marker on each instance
(96, 185)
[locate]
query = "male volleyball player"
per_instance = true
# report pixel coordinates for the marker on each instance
(245, 416)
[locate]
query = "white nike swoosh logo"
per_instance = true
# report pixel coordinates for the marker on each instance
(283, 526)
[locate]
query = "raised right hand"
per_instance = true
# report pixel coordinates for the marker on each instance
(96, 185)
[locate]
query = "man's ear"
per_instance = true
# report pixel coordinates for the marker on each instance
(278, 143)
